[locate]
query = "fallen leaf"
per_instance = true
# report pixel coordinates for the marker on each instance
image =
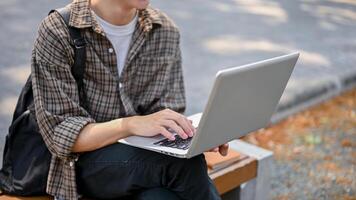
(346, 143)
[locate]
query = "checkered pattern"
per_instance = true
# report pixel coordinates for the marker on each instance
(151, 80)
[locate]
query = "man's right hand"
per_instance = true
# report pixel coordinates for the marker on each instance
(159, 123)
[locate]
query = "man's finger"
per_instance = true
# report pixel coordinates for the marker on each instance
(191, 127)
(174, 126)
(166, 133)
(181, 121)
(223, 149)
(178, 115)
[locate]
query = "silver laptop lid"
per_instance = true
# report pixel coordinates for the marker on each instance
(242, 100)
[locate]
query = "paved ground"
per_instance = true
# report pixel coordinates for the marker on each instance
(215, 34)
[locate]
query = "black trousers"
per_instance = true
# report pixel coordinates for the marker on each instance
(120, 171)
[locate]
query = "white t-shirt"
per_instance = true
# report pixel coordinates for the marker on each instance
(120, 38)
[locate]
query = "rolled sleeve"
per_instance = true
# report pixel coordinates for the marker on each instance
(66, 133)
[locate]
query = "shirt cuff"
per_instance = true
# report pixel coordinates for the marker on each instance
(66, 133)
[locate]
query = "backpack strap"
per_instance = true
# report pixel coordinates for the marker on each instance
(79, 42)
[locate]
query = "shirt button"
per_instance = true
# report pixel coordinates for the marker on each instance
(111, 50)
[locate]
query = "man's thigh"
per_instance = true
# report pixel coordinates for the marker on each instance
(121, 170)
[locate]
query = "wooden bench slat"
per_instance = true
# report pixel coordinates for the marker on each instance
(234, 175)
(6, 197)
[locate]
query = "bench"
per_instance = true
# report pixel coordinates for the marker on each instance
(246, 179)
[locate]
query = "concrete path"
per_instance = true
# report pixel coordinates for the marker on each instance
(215, 35)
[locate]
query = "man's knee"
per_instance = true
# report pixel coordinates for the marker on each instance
(195, 163)
(187, 170)
(189, 177)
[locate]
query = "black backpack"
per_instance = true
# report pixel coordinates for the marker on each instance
(26, 159)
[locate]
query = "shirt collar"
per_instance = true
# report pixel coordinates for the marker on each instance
(82, 17)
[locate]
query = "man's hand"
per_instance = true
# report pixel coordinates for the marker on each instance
(159, 123)
(97, 135)
(222, 149)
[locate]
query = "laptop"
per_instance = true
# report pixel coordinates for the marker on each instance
(242, 100)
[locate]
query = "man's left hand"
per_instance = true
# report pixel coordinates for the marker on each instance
(222, 149)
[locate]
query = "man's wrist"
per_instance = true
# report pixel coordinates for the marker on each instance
(122, 127)
(128, 125)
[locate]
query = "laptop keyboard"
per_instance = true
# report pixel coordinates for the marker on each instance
(178, 143)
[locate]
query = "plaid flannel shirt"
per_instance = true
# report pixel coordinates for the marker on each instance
(151, 80)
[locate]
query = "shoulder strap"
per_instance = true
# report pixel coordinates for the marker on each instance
(79, 42)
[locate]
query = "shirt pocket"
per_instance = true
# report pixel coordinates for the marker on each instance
(154, 65)
(151, 75)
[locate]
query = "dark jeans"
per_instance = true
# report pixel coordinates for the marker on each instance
(122, 171)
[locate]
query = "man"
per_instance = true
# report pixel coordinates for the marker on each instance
(133, 83)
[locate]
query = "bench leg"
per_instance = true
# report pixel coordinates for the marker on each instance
(258, 188)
